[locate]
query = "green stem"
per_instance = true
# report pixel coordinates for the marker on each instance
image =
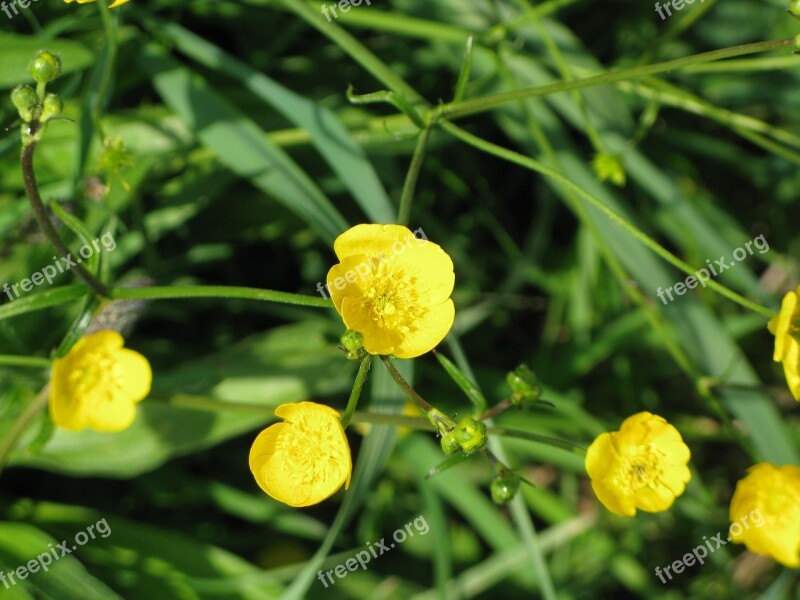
(649, 242)
(218, 291)
(358, 385)
(410, 392)
(40, 213)
(404, 214)
(490, 101)
(9, 442)
(35, 362)
(535, 437)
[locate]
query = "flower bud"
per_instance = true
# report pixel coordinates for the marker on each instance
(608, 167)
(51, 107)
(794, 8)
(353, 344)
(505, 486)
(470, 435)
(440, 421)
(525, 389)
(44, 67)
(25, 99)
(449, 443)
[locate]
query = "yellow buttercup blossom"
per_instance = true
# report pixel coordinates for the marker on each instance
(643, 465)
(98, 383)
(304, 460)
(785, 326)
(394, 288)
(115, 4)
(772, 493)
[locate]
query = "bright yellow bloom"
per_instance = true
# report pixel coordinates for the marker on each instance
(304, 460)
(643, 465)
(98, 383)
(115, 4)
(393, 288)
(786, 327)
(772, 493)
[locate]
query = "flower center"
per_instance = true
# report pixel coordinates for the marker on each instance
(96, 376)
(314, 451)
(638, 469)
(781, 508)
(393, 299)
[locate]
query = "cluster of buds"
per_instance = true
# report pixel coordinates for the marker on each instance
(467, 436)
(35, 106)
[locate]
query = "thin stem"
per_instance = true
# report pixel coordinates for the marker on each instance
(490, 101)
(35, 362)
(535, 437)
(358, 385)
(404, 214)
(495, 410)
(534, 165)
(410, 392)
(9, 442)
(218, 291)
(40, 212)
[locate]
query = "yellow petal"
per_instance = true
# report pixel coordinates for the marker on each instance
(370, 239)
(431, 269)
(116, 414)
(137, 377)
(428, 332)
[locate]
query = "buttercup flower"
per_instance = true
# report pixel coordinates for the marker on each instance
(304, 460)
(98, 383)
(115, 4)
(394, 288)
(773, 493)
(643, 465)
(785, 326)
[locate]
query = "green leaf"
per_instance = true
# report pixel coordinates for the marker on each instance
(329, 136)
(18, 50)
(240, 144)
(40, 300)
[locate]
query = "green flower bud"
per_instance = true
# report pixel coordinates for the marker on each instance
(794, 8)
(608, 167)
(525, 389)
(25, 99)
(51, 107)
(449, 443)
(441, 421)
(44, 67)
(505, 486)
(353, 344)
(471, 435)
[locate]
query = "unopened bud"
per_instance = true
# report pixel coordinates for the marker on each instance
(505, 486)
(51, 107)
(353, 344)
(608, 167)
(470, 435)
(525, 389)
(449, 443)
(25, 99)
(794, 8)
(44, 67)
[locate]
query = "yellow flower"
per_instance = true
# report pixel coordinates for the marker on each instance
(98, 383)
(643, 465)
(304, 460)
(785, 327)
(393, 288)
(772, 493)
(115, 4)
